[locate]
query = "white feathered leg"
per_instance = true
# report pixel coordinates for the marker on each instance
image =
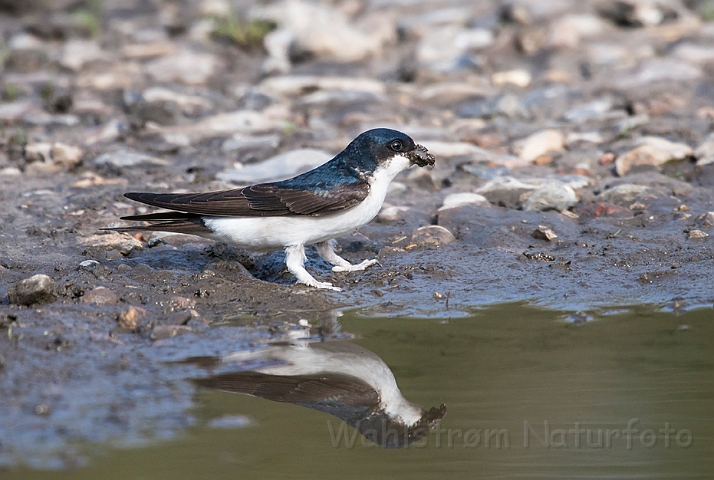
(295, 261)
(327, 252)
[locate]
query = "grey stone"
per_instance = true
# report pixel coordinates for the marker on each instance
(100, 296)
(705, 151)
(124, 158)
(185, 66)
(37, 289)
(623, 194)
(432, 235)
(552, 196)
(456, 200)
(285, 165)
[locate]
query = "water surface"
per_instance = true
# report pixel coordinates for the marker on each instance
(529, 393)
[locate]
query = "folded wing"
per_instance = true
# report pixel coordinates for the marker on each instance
(266, 200)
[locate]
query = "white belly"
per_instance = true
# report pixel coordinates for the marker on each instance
(271, 233)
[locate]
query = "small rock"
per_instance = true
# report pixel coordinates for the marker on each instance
(657, 70)
(551, 196)
(602, 209)
(694, 234)
(88, 265)
(442, 49)
(432, 235)
(222, 124)
(124, 158)
(162, 332)
(322, 31)
(623, 194)
(520, 78)
(568, 30)
(106, 133)
(706, 220)
(187, 67)
(250, 143)
(38, 152)
(544, 233)
(285, 165)
(692, 53)
(590, 111)
(66, 155)
(654, 151)
(293, 85)
(189, 104)
(100, 296)
(76, 53)
(705, 151)
(37, 289)
(539, 143)
(129, 318)
(509, 106)
(460, 199)
(122, 243)
(391, 213)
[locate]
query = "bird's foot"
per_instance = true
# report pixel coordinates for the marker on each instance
(354, 268)
(311, 282)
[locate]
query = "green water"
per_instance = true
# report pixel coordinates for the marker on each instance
(509, 374)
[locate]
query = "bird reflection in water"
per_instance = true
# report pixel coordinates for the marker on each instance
(332, 376)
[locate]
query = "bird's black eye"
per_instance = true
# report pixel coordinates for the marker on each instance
(396, 145)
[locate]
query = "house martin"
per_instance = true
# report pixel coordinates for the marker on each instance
(310, 209)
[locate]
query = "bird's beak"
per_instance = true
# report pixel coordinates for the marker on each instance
(421, 156)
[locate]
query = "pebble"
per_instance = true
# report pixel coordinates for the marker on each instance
(189, 104)
(625, 193)
(391, 213)
(89, 265)
(653, 151)
(284, 165)
(240, 142)
(120, 242)
(705, 151)
(442, 49)
(292, 85)
(124, 159)
(695, 234)
(544, 233)
(551, 196)
(162, 332)
(706, 220)
(509, 106)
(520, 78)
(100, 296)
(222, 124)
(537, 144)
(321, 31)
(460, 199)
(432, 235)
(37, 289)
(187, 67)
(129, 318)
(657, 70)
(76, 53)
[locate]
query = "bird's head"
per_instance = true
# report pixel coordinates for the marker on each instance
(382, 145)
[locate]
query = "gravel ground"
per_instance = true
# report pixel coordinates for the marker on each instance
(575, 166)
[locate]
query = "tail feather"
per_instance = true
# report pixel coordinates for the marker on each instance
(177, 222)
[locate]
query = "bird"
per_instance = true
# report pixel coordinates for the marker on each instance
(313, 208)
(332, 376)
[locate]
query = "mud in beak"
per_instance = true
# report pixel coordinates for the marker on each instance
(422, 157)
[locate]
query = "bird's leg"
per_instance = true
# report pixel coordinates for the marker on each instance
(295, 261)
(327, 252)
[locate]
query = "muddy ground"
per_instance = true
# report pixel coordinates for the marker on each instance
(610, 207)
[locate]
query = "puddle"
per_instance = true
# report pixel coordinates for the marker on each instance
(528, 393)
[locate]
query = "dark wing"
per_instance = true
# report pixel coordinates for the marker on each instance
(308, 390)
(265, 200)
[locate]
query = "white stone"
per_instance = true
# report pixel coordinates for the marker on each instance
(321, 30)
(76, 53)
(551, 196)
(537, 144)
(391, 213)
(705, 151)
(185, 66)
(291, 85)
(124, 158)
(189, 104)
(519, 77)
(284, 165)
(460, 199)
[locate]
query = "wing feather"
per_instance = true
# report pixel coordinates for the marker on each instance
(265, 200)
